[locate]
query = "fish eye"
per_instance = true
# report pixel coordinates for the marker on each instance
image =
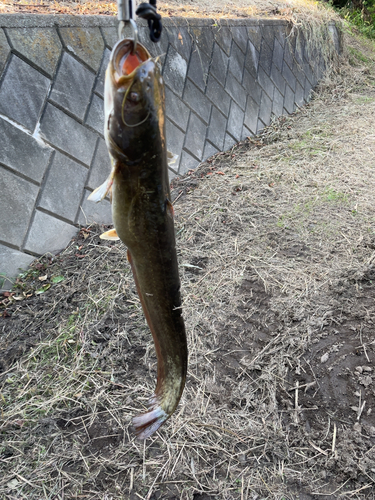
(134, 96)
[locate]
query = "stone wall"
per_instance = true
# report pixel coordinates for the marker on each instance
(224, 82)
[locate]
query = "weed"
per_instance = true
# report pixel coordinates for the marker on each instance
(358, 56)
(330, 194)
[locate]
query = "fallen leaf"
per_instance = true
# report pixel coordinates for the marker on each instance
(57, 279)
(43, 289)
(13, 484)
(42, 278)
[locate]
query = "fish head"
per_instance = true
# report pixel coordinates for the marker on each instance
(134, 102)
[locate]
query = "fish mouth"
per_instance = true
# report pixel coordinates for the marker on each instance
(124, 62)
(128, 71)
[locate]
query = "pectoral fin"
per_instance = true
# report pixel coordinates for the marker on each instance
(110, 235)
(169, 208)
(105, 189)
(171, 158)
(102, 191)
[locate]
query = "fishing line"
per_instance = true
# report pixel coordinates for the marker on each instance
(122, 112)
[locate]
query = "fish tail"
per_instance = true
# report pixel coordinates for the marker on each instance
(146, 424)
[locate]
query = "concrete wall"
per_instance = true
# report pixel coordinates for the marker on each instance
(223, 83)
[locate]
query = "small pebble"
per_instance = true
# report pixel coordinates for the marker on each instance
(357, 427)
(324, 358)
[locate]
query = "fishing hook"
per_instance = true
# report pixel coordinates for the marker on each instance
(125, 16)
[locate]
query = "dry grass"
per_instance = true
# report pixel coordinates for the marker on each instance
(293, 10)
(274, 228)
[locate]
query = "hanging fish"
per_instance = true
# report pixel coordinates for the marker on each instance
(143, 215)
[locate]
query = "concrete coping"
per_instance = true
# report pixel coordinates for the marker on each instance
(83, 21)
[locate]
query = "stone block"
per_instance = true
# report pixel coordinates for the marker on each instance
(181, 40)
(252, 86)
(278, 79)
(335, 38)
(41, 46)
(289, 76)
(255, 36)
(300, 48)
(246, 133)
(195, 136)
(63, 186)
(197, 101)
(251, 115)
(176, 109)
(188, 162)
(252, 60)
(240, 36)
(229, 142)
(203, 37)
(101, 166)
(265, 57)
(4, 50)
(216, 93)
(22, 93)
(209, 150)
(236, 62)
(175, 141)
(72, 87)
(155, 49)
(171, 175)
(277, 103)
(198, 68)
(90, 212)
(216, 130)
(65, 133)
(289, 51)
(48, 234)
(299, 97)
(308, 73)
(17, 202)
(299, 73)
(22, 153)
(223, 37)
(219, 64)
(12, 262)
(265, 109)
(307, 91)
(99, 85)
(110, 35)
(278, 55)
(235, 121)
(174, 71)
(95, 118)
(265, 82)
(235, 90)
(260, 126)
(268, 34)
(289, 100)
(86, 43)
(281, 32)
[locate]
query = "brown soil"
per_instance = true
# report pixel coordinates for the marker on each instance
(276, 244)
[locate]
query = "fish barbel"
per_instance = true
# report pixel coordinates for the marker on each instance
(143, 215)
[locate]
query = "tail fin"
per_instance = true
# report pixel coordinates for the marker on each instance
(148, 423)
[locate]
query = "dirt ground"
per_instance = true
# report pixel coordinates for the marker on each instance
(276, 247)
